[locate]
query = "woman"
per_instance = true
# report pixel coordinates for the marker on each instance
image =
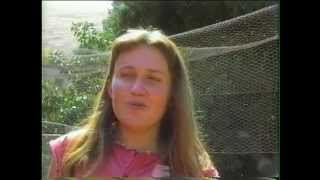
(143, 123)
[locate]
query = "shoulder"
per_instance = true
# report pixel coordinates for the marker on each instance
(59, 144)
(66, 137)
(57, 147)
(210, 172)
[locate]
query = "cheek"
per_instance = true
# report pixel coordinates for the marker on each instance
(118, 90)
(159, 103)
(118, 86)
(159, 95)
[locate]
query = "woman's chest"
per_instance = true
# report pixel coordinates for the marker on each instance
(129, 163)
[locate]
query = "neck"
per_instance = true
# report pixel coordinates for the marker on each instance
(142, 140)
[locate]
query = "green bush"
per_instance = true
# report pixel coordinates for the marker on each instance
(88, 37)
(64, 105)
(70, 104)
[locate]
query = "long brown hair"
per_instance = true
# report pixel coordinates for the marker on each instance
(181, 146)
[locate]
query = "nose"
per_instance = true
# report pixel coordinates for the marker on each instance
(138, 88)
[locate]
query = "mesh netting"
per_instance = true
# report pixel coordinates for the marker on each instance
(234, 67)
(252, 27)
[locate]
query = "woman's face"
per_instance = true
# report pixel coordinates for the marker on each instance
(140, 87)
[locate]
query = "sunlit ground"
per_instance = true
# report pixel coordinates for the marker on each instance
(57, 18)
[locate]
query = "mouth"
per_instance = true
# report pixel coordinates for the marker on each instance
(137, 105)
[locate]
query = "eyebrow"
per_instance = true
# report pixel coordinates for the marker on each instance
(150, 70)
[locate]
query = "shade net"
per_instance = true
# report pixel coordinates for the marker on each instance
(234, 68)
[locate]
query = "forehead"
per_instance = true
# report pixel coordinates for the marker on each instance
(142, 57)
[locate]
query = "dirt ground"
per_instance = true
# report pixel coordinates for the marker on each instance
(57, 18)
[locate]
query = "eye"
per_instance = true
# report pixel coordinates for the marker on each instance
(126, 74)
(156, 79)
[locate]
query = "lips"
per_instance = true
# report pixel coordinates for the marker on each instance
(137, 104)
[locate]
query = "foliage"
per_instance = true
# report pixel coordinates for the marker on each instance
(174, 17)
(56, 57)
(88, 37)
(63, 105)
(78, 61)
(70, 104)
(179, 16)
(111, 24)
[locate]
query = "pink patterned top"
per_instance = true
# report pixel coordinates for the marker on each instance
(123, 162)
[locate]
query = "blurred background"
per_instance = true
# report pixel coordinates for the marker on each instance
(231, 48)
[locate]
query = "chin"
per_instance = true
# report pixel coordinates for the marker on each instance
(136, 123)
